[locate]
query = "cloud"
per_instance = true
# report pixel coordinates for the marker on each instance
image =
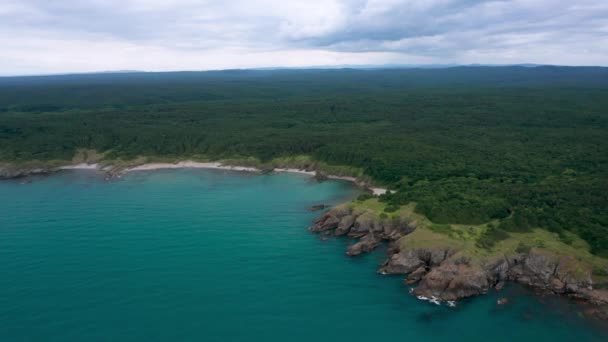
(40, 36)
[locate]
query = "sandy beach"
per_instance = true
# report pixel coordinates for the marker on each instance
(81, 166)
(215, 166)
(299, 171)
(190, 164)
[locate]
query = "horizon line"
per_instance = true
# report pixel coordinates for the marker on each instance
(312, 67)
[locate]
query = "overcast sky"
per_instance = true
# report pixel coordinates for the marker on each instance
(56, 36)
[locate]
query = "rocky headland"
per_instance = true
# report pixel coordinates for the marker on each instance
(445, 266)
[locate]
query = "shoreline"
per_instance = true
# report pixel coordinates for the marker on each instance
(472, 281)
(439, 270)
(188, 165)
(376, 191)
(116, 171)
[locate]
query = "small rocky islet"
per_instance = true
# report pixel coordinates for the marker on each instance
(444, 269)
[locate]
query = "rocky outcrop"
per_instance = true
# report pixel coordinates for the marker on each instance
(346, 223)
(410, 260)
(417, 275)
(329, 220)
(366, 244)
(451, 281)
(369, 229)
(557, 274)
(447, 275)
(317, 207)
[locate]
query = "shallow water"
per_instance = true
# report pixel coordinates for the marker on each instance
(206, 255)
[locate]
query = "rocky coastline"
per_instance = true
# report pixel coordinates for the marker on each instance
(446, 273)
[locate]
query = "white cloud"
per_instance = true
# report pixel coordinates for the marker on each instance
(41, 36)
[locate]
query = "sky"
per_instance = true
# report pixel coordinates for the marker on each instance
(65, 36)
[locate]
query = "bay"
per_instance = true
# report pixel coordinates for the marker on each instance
(207, 255)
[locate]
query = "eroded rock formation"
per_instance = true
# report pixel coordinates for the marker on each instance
(447, 273)
(368, 228)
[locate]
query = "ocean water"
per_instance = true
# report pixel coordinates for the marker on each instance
(204, 255)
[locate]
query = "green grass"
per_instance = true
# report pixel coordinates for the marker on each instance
(464, 239)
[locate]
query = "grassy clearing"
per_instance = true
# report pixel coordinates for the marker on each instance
(465, 238)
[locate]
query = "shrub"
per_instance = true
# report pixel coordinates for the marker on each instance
(491, 237)
(391, 208)
(364, 197)
(600, 271)
(522, 248)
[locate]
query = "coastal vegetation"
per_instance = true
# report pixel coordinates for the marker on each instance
(494, 157)
(483, 242)
(447, 262)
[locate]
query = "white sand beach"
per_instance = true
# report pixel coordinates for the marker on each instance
(190, 164)
(82, 166)
(299, 171)
(215, 166)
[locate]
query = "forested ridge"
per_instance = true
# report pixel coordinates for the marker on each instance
(525, 146)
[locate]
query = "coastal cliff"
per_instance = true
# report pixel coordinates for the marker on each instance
(445, 265)
(363, 225)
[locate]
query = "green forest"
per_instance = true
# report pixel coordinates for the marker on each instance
(526, 146)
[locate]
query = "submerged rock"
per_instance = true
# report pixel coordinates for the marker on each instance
(499, 286)
(502, 301)
(318, 207)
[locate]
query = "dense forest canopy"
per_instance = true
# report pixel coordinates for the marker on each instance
(525, 146)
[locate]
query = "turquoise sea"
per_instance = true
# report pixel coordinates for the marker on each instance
(205, 255)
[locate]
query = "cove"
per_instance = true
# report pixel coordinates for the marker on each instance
(207, 255)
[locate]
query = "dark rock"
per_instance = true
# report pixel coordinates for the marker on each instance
(321, 218)
(330, 219)
(321, 176)
(404, 262)
(267, 170)
(451, 281)
(498, 270)
(346, 223)
(318, 207)
(11, 172)
(415, 276)
(364, 245)
(330, 222)
(597, 296)
(363, 225)
(596, 311)
(444, 274)
(500, 285)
